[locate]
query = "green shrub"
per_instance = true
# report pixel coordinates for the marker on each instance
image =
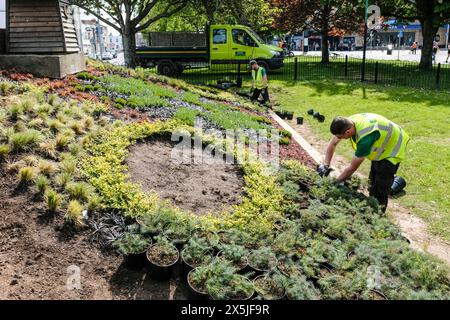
(86, 76)
(74, 214)
(21, 140)
(63, 179)
(131, 243)
(141, 102)
(121, 101)
(4, 150)
(79, 190)
(26, 175)
(52, 200)
(187, 115)
(42, 184)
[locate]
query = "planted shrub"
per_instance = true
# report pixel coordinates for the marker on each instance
(52, 200)
(79, 190)
(42, 184)
(270, 287)
(299, 288)
(63, 179)
(4, 150)
(197, 252)
(74, 214)
(21, 140)
(237, 254)
(131, 243)
(86, 76)
(163, 252)
(26, 175)
(47, 168)
(262, 259)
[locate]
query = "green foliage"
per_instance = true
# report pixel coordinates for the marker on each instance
(42, 184)
(234, 252)
(262, 258)
(141, 102)
(271, 286)
(26, 175)
(79, 190)
(86, 76)
(52, 200)
(74, 214)
(22, 140)
(299, 288)
(197, 251)
(131, 243)
(4, 150)
(187, 115)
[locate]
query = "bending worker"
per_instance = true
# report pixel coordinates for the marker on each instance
(373, 137)
(259, 82)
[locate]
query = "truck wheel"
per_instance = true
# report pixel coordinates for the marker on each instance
(180, 68)
(167, 68)
(263, 64)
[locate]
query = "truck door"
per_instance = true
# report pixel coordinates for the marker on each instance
(243, 45)
(220, 45)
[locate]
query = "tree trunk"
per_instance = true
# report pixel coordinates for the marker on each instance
(325, 49)
(429, 31)
(129, 48)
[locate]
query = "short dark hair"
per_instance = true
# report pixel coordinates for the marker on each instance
(340, 125)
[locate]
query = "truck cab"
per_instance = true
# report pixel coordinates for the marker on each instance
(220, 44)
(237, 43)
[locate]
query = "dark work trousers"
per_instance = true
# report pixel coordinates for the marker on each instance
(257, 92)
(380, 179)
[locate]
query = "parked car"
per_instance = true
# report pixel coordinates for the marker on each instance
(107, 56)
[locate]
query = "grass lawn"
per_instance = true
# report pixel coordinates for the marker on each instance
(423, 114)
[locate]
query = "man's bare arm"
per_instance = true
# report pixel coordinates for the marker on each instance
(347, 173)
(331, 149)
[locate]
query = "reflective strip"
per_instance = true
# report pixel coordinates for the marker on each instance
(365, 130)
(398, 145)
(385, 142)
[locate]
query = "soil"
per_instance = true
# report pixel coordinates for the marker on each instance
(414, 228)
(161, 257)
(199, 188)
(205, 259)
(35, 254)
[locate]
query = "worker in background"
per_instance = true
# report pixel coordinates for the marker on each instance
(259, 82)
(373, 137)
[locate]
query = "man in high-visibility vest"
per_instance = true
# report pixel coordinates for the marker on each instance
(259, 82)
(373, 137)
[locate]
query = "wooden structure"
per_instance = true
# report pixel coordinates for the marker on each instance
(41, 38)
(40, 27)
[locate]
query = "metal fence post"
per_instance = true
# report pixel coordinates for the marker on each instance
(376, 72)
(438, 76)
(346, 66)
(239, 78)
(295, 69)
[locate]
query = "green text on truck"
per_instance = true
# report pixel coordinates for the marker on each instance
(173, 52)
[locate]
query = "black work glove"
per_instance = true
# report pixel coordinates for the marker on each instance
(323, 170)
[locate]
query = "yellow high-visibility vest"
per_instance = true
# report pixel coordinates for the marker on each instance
(392, 142)
(258, 78)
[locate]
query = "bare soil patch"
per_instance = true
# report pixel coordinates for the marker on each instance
(199, 188)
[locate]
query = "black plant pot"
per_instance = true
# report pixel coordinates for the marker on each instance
(299, 120)
(258, 272)
(279, 113)
(311, 112)
(289, 115)
(193, 293)
(158, 272)
(398, 185)
(135, 261)
(316, 115)
(321, 118)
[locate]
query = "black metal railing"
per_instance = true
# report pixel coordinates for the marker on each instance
(309, 68)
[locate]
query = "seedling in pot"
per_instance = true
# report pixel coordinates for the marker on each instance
(162, 257)
(262, 260)
(299, 288)
(197, 252)
(311, 112)
(237, 254)
(131, 243)
(270, 286)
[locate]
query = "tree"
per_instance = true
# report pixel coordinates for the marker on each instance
(431, 14)
(130, 17)
(323, 16)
